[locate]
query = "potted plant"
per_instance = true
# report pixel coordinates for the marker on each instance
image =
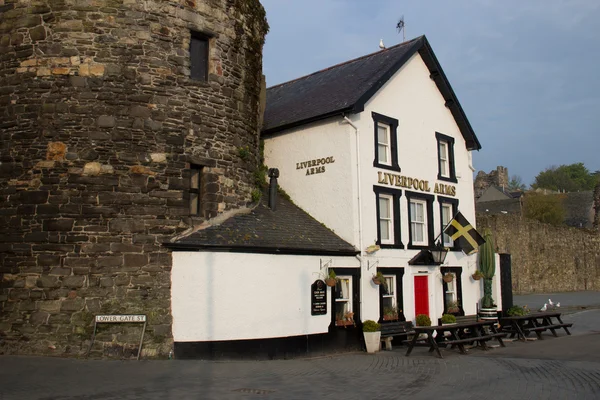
(448, 319)
(372, 334)
(477, 275)
(379, 279)
(517, 311)
(487, 266)
(452, 307)
(423, 320)
(331, 278)
(448, 278)
(390, 313)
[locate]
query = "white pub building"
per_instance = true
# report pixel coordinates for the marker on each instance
(377, 152)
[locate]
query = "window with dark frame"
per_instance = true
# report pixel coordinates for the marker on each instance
(453, 291)
(195, 190)
(446, 168)
(448, 209)
(386, 142)
(391, 303)
(420, 217)
(199, 45)
(387, 204)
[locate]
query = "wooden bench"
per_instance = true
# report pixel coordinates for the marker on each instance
(391, 329)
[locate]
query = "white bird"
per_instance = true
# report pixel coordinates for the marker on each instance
(550, 302)
(381, 45)
(544, 308)
(558, 304)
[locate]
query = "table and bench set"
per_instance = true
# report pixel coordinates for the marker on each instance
(470, 331)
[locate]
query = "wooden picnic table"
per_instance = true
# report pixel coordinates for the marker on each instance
(458, 335)
(523, 325)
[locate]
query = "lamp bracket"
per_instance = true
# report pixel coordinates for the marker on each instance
(324, 264)
(372, 264)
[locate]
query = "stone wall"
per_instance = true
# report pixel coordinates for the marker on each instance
(546, 258)
(99, 121)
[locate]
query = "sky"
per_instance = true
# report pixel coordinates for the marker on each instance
(527, 73)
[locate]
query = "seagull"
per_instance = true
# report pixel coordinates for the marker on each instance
(381, 45)
(550, 302)
(558, 304)
(544, 308)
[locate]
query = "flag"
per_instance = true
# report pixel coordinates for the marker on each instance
(463, 234)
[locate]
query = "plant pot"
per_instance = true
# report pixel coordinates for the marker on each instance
(447, 278)
(373, 341)
(376, 281)
(476, 277)
(488, 314)
(330, 282)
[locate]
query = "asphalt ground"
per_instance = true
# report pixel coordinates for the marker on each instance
(566, 367)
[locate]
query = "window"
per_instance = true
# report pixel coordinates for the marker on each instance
(418, 227)
(388, 217)
(343, 301)
(448, 209)
(386, 214)
(386, 142)
(383, 144)
(445, 158)
(420, 217)
(195, 189)
(199, 45)
(446, 218)
(452, 291)
(390, 295)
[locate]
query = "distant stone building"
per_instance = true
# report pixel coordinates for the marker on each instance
(483, 181)
(122, 124)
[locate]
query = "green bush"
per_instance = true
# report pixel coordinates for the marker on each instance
(423, 320)
(448, 319)
(371, 326)
(515, 311)
(544, 208)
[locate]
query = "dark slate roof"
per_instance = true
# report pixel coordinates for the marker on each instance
(578, 208)
(287, 230)
(346, 87)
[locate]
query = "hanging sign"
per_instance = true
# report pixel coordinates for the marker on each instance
(318, 298)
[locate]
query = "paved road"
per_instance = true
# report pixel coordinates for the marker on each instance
(569, 301)
(566, 367)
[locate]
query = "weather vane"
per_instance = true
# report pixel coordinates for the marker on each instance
(401, 28)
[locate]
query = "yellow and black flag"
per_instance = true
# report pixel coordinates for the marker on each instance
(463, 234)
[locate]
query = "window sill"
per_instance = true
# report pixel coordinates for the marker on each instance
(345, 323)
(447, 179)
(392, 246)
(392, 167)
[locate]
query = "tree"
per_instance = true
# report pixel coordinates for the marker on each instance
(516, 183)
(566, 178)
(544, 208)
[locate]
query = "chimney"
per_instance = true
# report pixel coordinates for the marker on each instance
(273, 174)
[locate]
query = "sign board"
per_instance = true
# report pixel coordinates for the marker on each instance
(120, 318)
(318, 298)
(114, 319)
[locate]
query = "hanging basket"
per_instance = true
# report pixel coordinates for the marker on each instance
(447, 278)
(376, 281)
(330, 282)
(476, 276)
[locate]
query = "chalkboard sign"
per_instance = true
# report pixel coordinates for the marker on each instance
(318, 298)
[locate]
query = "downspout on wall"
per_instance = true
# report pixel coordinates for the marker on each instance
(358, 183)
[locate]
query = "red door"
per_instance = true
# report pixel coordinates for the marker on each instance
(421, 295)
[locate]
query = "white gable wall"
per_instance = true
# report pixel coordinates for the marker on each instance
(327, 196)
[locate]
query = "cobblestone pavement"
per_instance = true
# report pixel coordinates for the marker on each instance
(566, 367)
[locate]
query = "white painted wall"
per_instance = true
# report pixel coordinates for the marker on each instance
(327, 196)
(235, 296)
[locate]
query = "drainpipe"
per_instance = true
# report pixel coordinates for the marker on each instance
(360, 230)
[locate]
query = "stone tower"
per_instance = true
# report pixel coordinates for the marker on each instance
(122, 123)
(498, 177)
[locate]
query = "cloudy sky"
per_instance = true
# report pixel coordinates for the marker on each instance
(527, 73)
